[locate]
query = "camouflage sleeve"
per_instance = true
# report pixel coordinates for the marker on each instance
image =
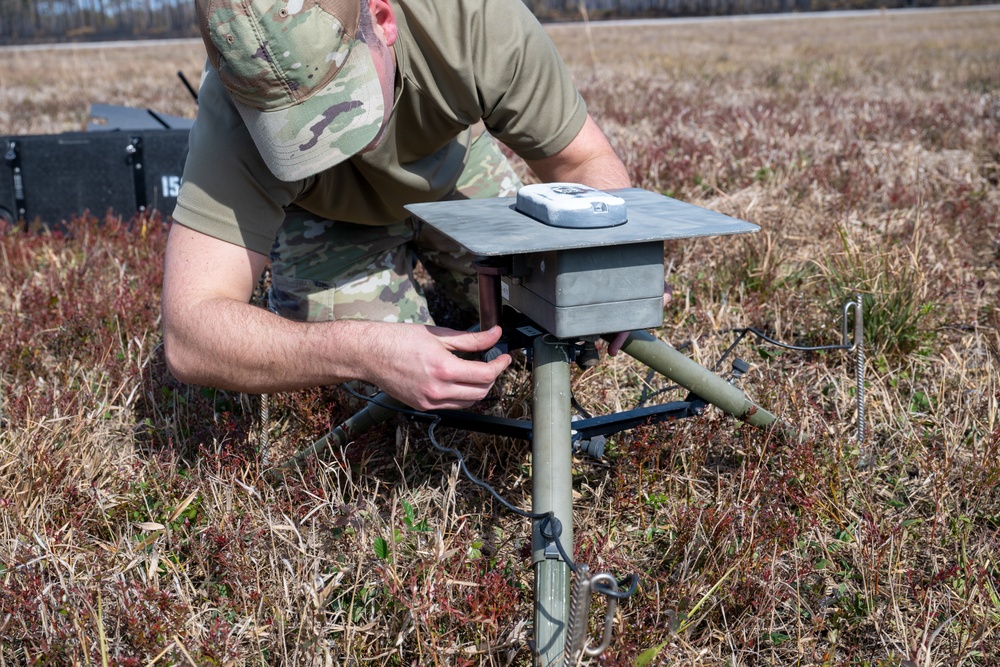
(227, 191)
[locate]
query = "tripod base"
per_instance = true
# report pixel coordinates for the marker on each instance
(551, 432)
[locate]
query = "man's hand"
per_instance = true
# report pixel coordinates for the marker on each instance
(417, 365)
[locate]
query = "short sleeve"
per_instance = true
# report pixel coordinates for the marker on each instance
(227, 191)
(528, 97)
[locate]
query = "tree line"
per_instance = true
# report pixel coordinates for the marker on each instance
(84, 20)
(25, 21)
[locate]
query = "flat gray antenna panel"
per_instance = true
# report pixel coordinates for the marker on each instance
(493, 227)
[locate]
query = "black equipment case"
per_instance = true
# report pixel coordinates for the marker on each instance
(128, 161)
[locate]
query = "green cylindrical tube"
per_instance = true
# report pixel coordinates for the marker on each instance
(695, 378)
(359, 422)
(552, 491)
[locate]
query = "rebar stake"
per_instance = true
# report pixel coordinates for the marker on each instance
(859, 362)
(265, 429)
(579, 612)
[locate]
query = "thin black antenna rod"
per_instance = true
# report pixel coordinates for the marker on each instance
(188, 85)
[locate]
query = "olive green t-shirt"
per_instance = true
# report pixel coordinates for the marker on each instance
(458, 62)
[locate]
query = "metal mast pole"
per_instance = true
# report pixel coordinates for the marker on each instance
(552, 485)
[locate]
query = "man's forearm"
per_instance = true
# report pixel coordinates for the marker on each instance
(249, 349)
(602, 172)
(589, 159)
(241, 347)
(214, 337)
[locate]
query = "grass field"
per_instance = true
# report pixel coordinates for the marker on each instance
(137, 526)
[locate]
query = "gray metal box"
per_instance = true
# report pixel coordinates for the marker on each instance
(589, 291)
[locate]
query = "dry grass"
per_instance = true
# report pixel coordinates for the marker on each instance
(49, 92)
(136, 527)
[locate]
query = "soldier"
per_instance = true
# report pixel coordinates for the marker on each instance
(317, 123)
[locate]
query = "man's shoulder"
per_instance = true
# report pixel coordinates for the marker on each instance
(464, 34)
(444, 14)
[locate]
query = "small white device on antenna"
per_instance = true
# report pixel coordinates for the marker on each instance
(571, 205)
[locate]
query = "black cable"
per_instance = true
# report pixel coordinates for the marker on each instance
(620, 594)
(548, 523)
(546, 519)
(579, 408)
(646, 396)
(475, 480)
(797, 348)
(729, 350)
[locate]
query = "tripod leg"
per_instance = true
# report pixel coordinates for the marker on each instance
(695, 378)
(361, 421)
(552, 483)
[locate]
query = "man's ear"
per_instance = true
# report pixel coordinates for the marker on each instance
(384, 17)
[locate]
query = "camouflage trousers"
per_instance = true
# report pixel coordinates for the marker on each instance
(324, 270)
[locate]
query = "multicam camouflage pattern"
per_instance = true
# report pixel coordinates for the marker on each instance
(324, 270)
(301, 76)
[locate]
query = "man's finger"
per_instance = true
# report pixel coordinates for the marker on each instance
(469, 383)
(668, 294)
(479, 373)
(476, 341)
(616, 343)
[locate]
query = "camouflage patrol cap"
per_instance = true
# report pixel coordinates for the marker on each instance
(299, 74)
